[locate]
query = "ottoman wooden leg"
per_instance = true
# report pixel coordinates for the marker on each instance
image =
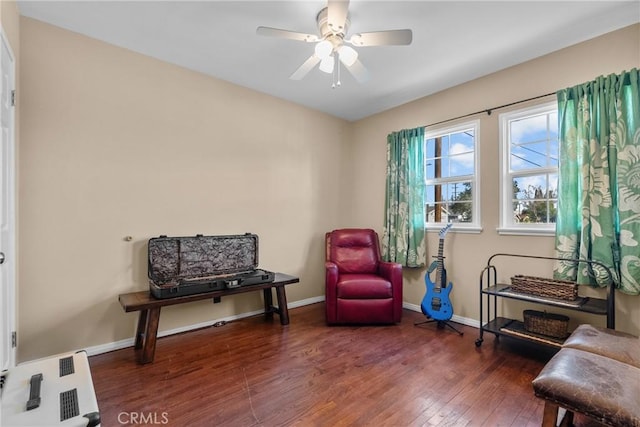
(567, 420)
(550, 416)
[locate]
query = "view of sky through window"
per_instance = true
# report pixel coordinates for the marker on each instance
(450, 176)
(533, 165)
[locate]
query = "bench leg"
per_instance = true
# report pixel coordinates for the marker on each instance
(282, 305)
(142, 324)
(268, 303)
(567, 419)
(146, 341)
(550, 416)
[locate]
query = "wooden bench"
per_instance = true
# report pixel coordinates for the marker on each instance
(149, 308)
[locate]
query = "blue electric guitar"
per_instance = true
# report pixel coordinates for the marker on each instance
(436, 303)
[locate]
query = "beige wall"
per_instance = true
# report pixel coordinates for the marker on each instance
(467, 254)
(10, 18)
(117, 144)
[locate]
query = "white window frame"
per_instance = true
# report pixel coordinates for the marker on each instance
(475, 225)
(507, 225)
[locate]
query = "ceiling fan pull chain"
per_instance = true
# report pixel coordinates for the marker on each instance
(338, 67)
(333, 75)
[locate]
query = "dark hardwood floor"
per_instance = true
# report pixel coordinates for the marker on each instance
(254, 372)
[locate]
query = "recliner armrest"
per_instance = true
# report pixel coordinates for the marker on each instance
(392, 271)
(331, 273)
(331, 279)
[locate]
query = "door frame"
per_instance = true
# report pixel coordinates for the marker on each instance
(10, 177)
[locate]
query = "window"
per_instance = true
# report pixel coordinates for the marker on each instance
(452, 185)
(529, 166)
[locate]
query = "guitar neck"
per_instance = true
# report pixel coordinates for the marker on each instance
(439, 271)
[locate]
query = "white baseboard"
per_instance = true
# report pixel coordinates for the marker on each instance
(129, 342)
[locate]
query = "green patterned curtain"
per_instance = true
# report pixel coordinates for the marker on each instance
(599, 181)
(404, 215)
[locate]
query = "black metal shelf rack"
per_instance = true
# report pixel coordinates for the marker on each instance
(490, 291)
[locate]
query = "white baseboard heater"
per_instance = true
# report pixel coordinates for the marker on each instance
(56, 391)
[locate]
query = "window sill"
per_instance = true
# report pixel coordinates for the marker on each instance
(526, 231)
(471, 229)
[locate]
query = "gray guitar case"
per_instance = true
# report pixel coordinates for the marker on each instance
(181, 266)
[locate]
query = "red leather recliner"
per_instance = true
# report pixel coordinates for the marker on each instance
(360, 288)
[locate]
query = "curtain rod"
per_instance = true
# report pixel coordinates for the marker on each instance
(489, 110)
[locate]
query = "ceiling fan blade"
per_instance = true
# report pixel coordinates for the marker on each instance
(359, 71)
(337, 11)
(286, 34)
(304, 69)
(382, 38)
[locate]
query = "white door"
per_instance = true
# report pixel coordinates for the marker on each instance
(7, 205)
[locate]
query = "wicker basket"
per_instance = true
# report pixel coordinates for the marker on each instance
(549, 324)
(540, 286)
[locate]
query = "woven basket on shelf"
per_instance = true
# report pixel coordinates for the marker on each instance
(540, 286)
(549, 324)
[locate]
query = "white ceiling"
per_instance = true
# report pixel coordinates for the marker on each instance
(453, 41)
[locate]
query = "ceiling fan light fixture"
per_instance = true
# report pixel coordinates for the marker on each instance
(348, 55)
(333, 24)
(356, 40)
(327, 64)
(323, 49)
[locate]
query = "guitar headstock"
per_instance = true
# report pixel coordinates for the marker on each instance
(444, 230)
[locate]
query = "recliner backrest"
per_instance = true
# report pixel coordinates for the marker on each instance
(354, 250)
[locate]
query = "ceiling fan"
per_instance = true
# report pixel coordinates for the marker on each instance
(332, 46)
